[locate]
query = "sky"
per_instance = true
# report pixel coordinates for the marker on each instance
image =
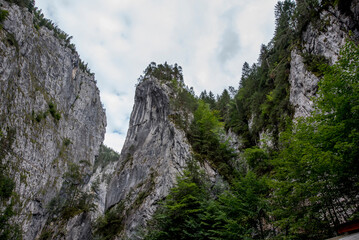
(210, 39)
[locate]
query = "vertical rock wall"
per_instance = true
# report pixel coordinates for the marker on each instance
(51, 109)
(154, 153)
(335, 27)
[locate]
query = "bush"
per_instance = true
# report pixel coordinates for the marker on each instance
(66, 142)
(111, 223)
(53, 111)
(3, 15)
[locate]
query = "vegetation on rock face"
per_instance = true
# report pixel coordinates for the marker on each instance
(317, 168)
(39, 20)
(262, 101)
(8, 230)
(106, 227)
(3, 16)
(303, 190)
(302, 187)
(72, 199)
(105, 156)
(162, 72)
(29, 4)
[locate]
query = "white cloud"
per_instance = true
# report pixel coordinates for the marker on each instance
(210, 39)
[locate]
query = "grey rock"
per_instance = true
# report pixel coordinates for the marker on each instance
(37, 70)
(102, 178)
(304, 85)
(154, 153)
(326, 41)
(79, 227)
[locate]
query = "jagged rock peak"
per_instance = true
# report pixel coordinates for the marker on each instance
(154, 153)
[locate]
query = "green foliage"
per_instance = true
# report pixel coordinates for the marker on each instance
(7, 185)
(308, 12)
(8, 230)
(190, 211)
(42, 115)
(317, 170)
(72, 200)
(53, 111)
(111, 223)
(244, 209)
(11, 40)
(84, 67)
(106, 156)
(315, 63)
(164, 72)
(257, 160)
(299, 192)
(180, 216)
(46, 234)
(185, 99)
(182, 102)
(29, 4)
(3, 16)
(208, 98)
(66, 142)
(262, 101)
(223, 105)
(205, 137)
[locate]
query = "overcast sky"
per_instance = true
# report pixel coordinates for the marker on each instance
(210, 39)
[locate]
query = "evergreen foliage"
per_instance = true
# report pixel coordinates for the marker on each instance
(29, 4)
(182, 213)
(164, 72)
(40, 21)
(208, 98)
(262, 101)
(111, 223)
(304, 189)
(317, 170)
(191, 212)
(105, 156)
(205, 137)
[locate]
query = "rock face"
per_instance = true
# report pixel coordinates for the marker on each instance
(51, 114)
(304, 85)
(326, 41)
(51, 109)
(154, 153)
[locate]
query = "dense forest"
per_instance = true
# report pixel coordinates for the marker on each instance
(300, 184)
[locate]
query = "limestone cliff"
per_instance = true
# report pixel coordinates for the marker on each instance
(50, 108)
(53, 123)
(156, 150)
(154, 153)
(323, 38)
